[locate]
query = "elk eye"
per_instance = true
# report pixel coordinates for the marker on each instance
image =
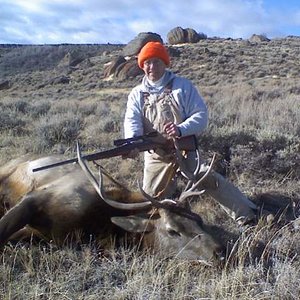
(173, 233)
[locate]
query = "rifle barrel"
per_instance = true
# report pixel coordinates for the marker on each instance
(60, 163)
(185, 143)
(121, 150)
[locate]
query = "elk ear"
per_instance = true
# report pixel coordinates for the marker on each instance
(134, 223)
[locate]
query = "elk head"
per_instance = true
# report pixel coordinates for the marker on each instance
(169, 227)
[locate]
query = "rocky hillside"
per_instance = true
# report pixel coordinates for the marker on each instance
(251, 88)
(53, 95)
(207, 62)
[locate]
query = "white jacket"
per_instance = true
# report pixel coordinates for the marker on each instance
(192, 107)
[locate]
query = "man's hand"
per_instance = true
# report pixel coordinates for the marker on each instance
(172, 130)
(131, 154)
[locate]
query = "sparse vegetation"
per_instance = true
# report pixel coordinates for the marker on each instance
(252, 91)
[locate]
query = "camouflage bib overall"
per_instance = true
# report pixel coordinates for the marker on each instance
(160, 167)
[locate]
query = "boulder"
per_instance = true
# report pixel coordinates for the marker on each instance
(191, 36)
(176, 36)
(128, 69)
(135, 45)
(179, 35)
(113, 65)
(202, 36)
(123, 68)
(257, 38)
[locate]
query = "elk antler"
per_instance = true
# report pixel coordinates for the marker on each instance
(191, 186)
(191, 176)
(99, 187)
(156, 203)
(173, 207)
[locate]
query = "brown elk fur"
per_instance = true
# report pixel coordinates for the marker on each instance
(54, 203)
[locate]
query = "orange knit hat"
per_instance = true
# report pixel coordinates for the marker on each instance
(151, 50)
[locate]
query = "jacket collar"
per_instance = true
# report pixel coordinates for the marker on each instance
(156, 89)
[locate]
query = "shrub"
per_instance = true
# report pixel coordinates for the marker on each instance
(11, 120)
(62, 128)
(20, 106)
(40, 109)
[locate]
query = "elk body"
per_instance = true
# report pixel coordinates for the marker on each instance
(54, 203)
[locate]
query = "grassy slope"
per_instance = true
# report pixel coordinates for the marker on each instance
(253, 95)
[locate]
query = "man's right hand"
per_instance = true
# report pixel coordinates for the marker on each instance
(131, 154)
(172, 130)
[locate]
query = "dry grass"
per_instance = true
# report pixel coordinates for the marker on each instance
(44, 272)
(253, 95)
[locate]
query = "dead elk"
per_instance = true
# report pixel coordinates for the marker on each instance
(53, 203)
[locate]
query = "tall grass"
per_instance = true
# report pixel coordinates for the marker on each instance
(40, 272)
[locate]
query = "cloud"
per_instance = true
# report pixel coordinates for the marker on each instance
(117, 21)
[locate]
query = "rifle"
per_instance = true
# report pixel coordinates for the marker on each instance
(124, 146)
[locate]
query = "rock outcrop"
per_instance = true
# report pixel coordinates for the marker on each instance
(135, 45)
(125, 67)
(257, 38)
(179, 35)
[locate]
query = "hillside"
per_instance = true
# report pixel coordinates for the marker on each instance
(252, 91)
(53, 95)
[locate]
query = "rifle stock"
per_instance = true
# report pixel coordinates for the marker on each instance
(187, 143)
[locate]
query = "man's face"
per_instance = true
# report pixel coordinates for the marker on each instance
(154, 68)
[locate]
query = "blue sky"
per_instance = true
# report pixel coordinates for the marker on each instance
(112, 21)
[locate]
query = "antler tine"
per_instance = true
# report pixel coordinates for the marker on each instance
(99, 187)
(207, 172)
(87, 171)
(195, 173)
(154, 202)
(172, 206)
(191, 190)
(191, 176)
(198, 166)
